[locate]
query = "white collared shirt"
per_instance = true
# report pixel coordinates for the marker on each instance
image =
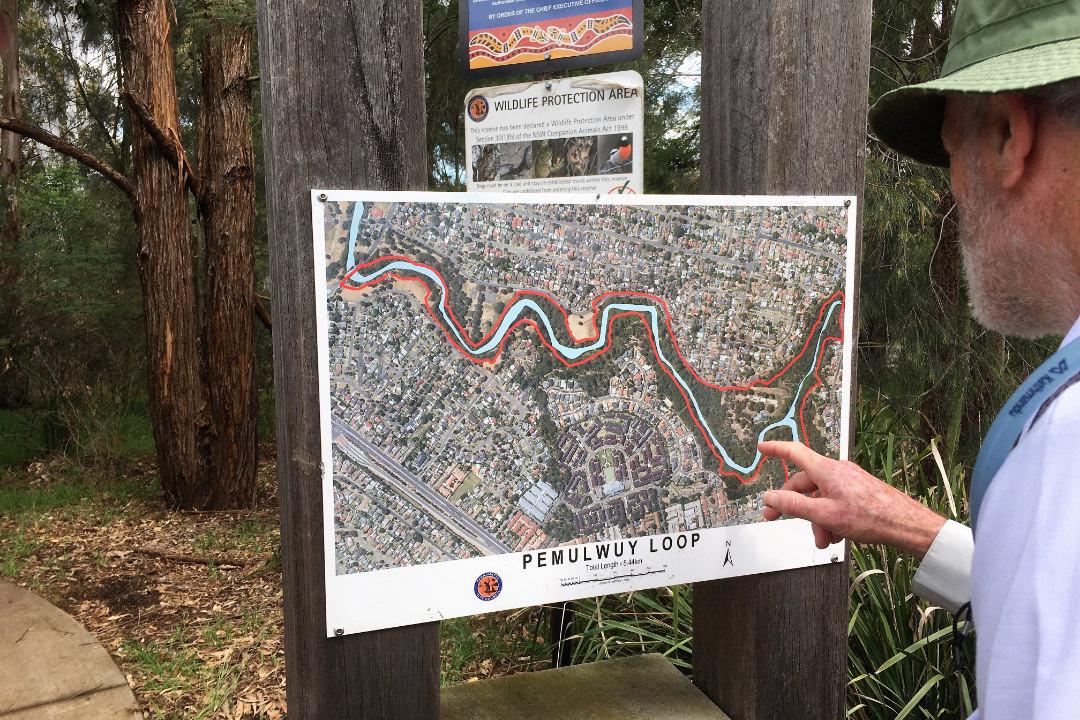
(1024, 573)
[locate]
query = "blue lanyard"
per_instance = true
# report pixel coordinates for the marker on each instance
(1009, 424)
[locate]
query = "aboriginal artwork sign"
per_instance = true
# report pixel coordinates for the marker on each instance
(511, 37)
(533, 399)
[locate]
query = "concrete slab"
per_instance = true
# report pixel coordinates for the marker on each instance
(646, 687)
(52, 668)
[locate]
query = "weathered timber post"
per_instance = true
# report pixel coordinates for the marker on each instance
(343, 107)
(783, 110)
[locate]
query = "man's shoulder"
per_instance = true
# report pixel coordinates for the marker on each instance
(1036, 486)
(1062, 406)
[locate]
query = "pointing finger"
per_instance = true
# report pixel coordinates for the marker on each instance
(800, 482)
(794, 504)
(793, 452)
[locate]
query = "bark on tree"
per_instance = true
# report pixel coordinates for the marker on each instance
(179, 411)
(10, 159)
(12, 384)
(226, 166)
(200, 355)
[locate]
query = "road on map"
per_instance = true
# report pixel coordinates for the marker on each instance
(418, 491)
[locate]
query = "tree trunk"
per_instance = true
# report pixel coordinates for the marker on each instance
(178, 404)
(226, 165)
(10, 159)
(12, 383)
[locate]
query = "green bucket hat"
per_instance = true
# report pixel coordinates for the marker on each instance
(996, 46)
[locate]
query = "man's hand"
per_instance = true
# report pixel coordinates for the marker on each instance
(841, 500)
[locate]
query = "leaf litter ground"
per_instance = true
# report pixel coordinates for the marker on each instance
(189, 603)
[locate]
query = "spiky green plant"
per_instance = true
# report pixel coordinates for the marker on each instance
(900, 647)
(649, 621)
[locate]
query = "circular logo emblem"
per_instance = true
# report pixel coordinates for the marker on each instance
(478, 108)
(488, 586)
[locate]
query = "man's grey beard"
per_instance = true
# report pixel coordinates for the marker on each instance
(1018, 285)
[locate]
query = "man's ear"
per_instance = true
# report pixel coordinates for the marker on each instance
(1011, 120)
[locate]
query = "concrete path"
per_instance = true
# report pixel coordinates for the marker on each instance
(51, 668)
(645, 687)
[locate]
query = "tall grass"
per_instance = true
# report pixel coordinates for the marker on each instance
(650, 621)
(899, 646)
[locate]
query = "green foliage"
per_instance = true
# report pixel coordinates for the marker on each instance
(205, 15)
(492, 644)
(22, 435)
(900, 647)
(69, 74)
(649, 621)
(80, 345)
(37, 500)
(174, 666)
(671, 67)
(64, 486)
(15, 549)
(253, 535)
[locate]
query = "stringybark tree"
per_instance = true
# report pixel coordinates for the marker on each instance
(179, 410)
(12, 386)
(199, 330)
(227, 164)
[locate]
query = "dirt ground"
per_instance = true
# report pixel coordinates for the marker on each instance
(189, 604)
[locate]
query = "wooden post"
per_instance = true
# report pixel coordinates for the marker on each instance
(784, 92)
(343, 107)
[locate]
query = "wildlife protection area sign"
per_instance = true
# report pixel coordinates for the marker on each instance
(512, 37)
(581, 134)
(526, 399)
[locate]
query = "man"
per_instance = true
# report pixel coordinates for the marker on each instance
(1005, 118)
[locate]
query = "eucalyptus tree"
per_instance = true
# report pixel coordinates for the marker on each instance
(227, 162)
(195, 223)
(11, 386)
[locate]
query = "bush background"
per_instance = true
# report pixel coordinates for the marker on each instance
(930, 379)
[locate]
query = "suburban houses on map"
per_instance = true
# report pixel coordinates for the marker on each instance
(510, 377)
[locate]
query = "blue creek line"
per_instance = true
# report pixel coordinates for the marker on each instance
(571, 353)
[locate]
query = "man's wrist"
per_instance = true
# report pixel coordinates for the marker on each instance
(921, 532)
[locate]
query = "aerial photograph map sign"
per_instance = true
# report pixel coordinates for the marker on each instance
(529, 399)
(508, 37)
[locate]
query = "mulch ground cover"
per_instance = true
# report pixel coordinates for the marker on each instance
(189, 604)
